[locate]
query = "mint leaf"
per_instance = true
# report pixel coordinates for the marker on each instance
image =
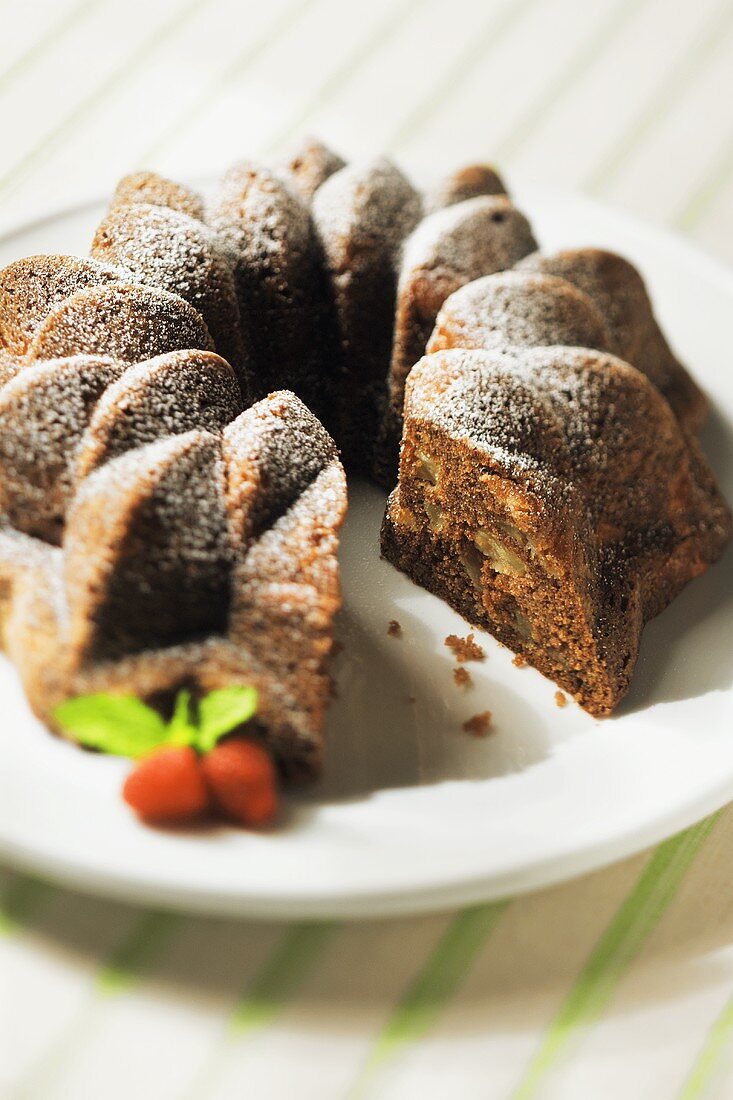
(119, 724)
(221, 711)
(182, 728)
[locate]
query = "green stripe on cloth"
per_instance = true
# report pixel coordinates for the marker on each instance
(446, 969)
(281, 977)
(712, 1059)
(92, 102)
(616, 950)
(227, 76)
(366, 48)
(52, 34)
(700, 200)
(277, 982)
(22, 898)
(148, 936)
(482, 43)
(667, 94)
(568, 75)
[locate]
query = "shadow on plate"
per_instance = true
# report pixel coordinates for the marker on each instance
(397, 719)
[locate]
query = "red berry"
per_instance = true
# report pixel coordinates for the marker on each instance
(168, 786)
(242, 780)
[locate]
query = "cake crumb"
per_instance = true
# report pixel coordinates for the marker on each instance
(462, 677)
(519, 661)
(465, 649)
(560, 699)
(336, 648)
(479, 725)
(394, 629)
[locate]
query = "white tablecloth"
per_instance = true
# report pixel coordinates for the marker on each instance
(616, 985)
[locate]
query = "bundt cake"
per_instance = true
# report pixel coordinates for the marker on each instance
(550, 496)
(159, 531)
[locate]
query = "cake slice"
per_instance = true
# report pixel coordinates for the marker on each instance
(551, 498)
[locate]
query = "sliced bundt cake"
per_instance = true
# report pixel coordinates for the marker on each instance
(156, 533)
(550, 496)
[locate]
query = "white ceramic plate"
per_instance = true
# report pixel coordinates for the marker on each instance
(415, 814)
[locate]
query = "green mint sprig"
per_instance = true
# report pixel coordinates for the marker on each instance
(125, 726)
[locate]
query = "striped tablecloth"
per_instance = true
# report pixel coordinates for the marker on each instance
(619, 984)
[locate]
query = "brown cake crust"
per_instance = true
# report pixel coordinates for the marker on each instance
(169, 395)
(447, 250)
(146, 552)
(150, 188)
(464, 183)
(32, 287)
(309, 165)
(9, 366)
(362, 215)
(268, 234)
(535, 496)
(163, 248)
(519, 309)
(43, 416)
(123, 321)
(618, 290)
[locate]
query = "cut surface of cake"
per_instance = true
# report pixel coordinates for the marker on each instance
(552, 498)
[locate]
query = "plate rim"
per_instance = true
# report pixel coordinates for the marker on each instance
(432, 896)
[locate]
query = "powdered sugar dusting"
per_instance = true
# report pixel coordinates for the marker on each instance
(514, 308)
(164, 248)
(148, 187)
(123, 321)
(32, 287)
(169, 395)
